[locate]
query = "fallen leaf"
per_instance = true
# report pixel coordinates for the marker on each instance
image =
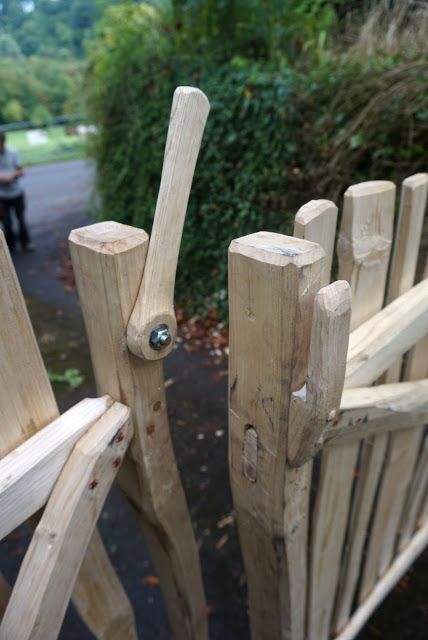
(220, 543)
(151, 581)
(226, 521)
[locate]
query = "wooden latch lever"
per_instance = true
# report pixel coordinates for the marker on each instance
(152, 326)
(314, 407)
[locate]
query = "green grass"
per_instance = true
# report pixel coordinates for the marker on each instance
(59, 147)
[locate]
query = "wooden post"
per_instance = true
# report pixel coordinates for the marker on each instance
(273, 280)
(403, 447)
(27, 404)
(108, 260)
(316, 221)
(413, 204)
(363, 248)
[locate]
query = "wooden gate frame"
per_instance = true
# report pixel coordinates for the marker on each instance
(126, 290)
(303, 527)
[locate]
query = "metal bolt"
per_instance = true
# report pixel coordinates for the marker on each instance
(160, 337)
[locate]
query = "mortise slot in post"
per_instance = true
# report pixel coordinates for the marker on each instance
(249, 458)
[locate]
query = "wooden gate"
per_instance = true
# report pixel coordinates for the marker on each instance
(328, 454)
(330, 488)
(68, 462)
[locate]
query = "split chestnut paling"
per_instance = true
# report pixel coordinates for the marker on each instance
(328, 453)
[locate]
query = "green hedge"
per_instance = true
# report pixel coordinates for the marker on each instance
(276, 136)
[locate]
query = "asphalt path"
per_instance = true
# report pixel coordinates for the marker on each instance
(60, 197)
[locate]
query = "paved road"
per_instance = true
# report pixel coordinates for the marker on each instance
(56, 192)
(59, 198)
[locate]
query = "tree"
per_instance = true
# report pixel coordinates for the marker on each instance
(9, 48)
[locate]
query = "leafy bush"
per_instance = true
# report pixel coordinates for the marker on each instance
(276, 136)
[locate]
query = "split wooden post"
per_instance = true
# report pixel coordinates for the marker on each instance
(108, 260)
(317, 404)
(363, 249)
(316, 221)
(273, 284)
(403, 447)
(28, 404)
(414, 191)
(416, 365)
(43, 588)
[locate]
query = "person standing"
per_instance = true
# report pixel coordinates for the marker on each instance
(12, 196)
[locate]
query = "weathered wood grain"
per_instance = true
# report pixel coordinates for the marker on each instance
(29, 472)
(108, 260)
(27, 405)
(154, 304)
(273, 281)
(363, 250)
(45, 582)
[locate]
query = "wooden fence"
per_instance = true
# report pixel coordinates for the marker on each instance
(330, 486)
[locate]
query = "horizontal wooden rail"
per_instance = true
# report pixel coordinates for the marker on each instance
(398, 568)
(376, 344)
(28, 474)
(369, 411)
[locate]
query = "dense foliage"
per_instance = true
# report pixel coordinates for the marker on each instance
(36, 89)
(48, 27)
(287, 124)
(40, 43)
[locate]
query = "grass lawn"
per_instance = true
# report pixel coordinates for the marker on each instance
(58, 147)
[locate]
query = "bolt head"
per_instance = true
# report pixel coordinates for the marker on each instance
(160, 337)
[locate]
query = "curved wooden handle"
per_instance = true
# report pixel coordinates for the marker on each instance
(154, 308)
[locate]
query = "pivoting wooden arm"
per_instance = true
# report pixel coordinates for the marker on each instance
(317, 403)
(152, 326)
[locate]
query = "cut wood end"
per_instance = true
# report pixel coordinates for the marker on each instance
(417, 180)
(192, 94)
(108, 237)
(369, 188)
(313, 209)
(277, 249)
(335, 298)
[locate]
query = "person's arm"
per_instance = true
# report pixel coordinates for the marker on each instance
(19, 171)
(7, 178)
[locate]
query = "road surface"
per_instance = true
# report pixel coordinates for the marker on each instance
(59, 198)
